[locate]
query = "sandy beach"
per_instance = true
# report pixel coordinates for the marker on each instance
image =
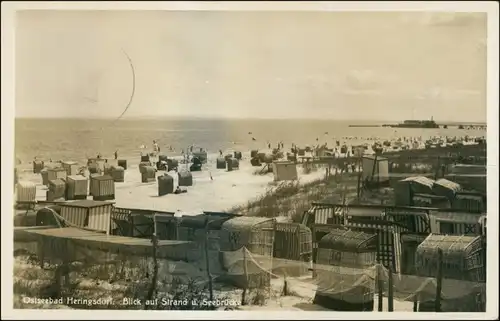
(224, 191)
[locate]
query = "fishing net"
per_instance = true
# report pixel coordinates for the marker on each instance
(354, 285)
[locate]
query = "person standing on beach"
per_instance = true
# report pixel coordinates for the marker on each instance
(116, 154)
(155, 149)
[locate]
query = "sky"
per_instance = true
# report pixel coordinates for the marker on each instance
(328, 65)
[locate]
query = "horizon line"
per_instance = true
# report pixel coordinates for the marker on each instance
(178, 117)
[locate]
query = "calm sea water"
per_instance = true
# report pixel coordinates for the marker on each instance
(77, 139)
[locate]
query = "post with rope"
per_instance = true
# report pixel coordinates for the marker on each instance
(375, 166)
(314, 256)
(390, 292)
(210, 285)
(245, 273)
(380, 288)
(380, 281)
(439, 280)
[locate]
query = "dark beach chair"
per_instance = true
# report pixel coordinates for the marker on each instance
(130, 223)
(196, 166)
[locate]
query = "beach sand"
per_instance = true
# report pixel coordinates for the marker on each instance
(226, 190)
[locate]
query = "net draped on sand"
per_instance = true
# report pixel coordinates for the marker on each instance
(350, 284)
(337, 280)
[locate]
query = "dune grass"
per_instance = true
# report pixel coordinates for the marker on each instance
(291, 199)
(117, 279)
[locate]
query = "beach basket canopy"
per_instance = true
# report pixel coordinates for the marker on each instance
(453, 246)
(348, 240)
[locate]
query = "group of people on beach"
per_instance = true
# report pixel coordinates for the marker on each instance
(344, 146)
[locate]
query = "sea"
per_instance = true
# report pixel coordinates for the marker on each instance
(79, 139)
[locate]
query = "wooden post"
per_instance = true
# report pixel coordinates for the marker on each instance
(358, 189)
(210, 285)
(275, 228)
(152, 288)
(245, 272)
(439, 280)
(415, 305)
(390, 295)
(131, 224)
(380, 288)
(314, 258)
(438, 168)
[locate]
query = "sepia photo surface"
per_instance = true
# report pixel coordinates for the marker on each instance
(257, 161)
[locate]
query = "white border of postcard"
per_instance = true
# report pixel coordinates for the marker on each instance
(8, 13)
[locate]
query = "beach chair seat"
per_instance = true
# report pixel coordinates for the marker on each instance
(195, 168)
(255, 161)
(143, 226)
(121, 218)
(47, 216)
(132, 224)
(220, 163)
(161, 165)
(172, 164)
(123, 227)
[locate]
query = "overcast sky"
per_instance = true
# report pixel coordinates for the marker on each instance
(384, 66)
